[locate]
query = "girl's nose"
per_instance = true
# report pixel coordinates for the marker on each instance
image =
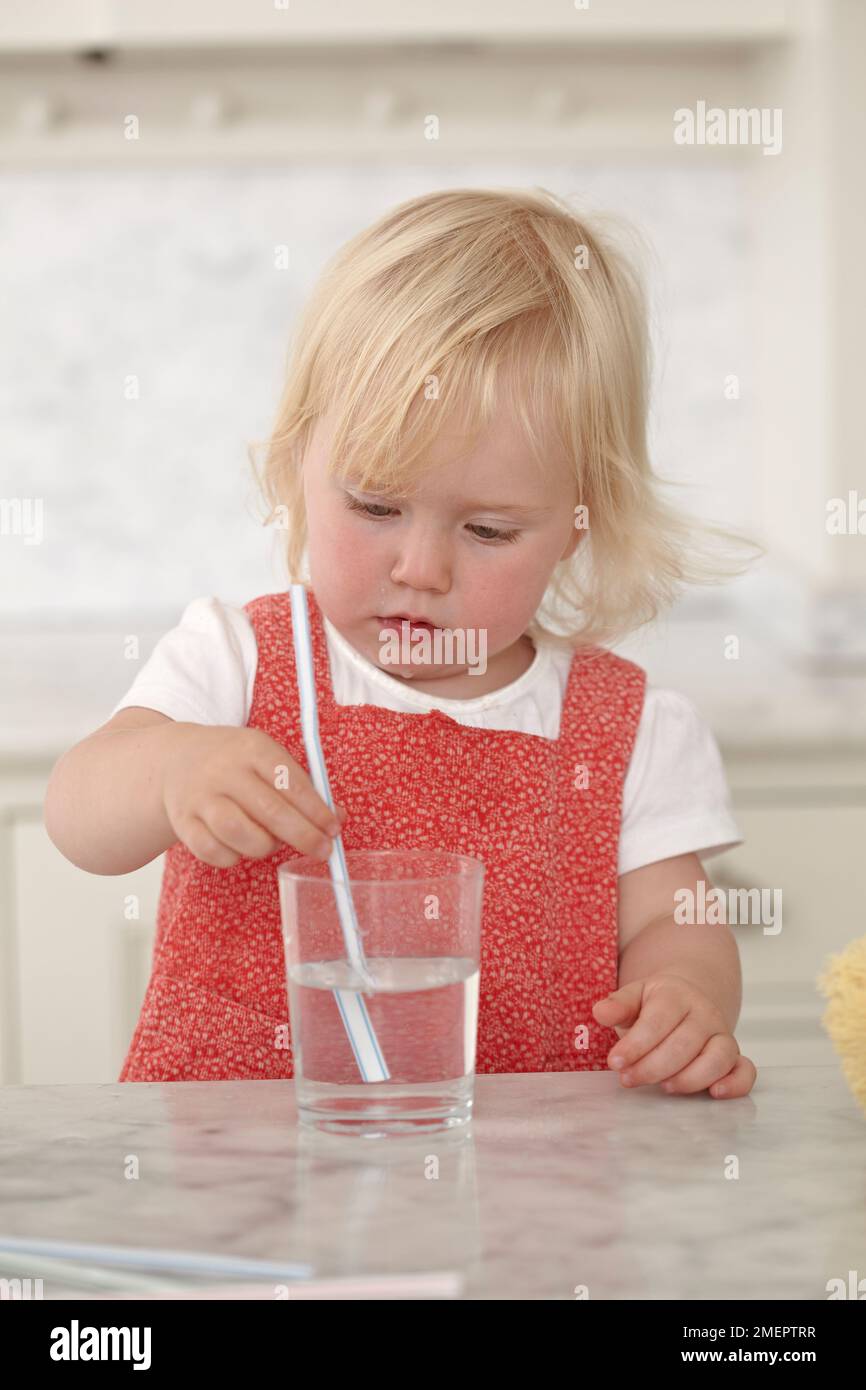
(422, 564)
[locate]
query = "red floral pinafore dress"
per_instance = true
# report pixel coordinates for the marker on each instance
(542, 815)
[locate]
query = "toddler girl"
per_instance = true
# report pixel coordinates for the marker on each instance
(461, 441)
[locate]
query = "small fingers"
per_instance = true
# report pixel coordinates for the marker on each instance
(670, 1057)
(285, 821)
(659, 1018)
(202, 842)
(738, 1082)
(231, 825)
(718, 1065)
(293, 786)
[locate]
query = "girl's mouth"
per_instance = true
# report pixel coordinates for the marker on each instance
(396, 622)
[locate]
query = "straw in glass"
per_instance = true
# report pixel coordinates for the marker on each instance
(350, 1003)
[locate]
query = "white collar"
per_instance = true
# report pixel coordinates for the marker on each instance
(535, 672)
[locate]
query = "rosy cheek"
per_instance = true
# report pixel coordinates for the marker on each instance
(348, 551)
(334, 531)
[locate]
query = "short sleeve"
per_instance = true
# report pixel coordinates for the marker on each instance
(201, 671)
(675, 797)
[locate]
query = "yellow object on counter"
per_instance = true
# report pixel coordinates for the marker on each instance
(844, 984)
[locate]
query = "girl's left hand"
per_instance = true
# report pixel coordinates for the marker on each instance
(675, 1035)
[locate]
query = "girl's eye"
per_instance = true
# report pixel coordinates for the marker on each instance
(377, 512)
(368, 508)
(493, 535)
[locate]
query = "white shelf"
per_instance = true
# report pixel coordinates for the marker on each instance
(44, 26)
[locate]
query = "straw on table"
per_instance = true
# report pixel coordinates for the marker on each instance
(137, 1257)
(80, 1276)
(350, 1003)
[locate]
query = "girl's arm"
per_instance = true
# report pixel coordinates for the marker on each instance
(144, 782)
(652, 942)
(103, 807)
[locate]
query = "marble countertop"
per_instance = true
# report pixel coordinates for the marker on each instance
(565, 1179)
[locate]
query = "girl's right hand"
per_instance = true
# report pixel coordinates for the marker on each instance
(234, 793)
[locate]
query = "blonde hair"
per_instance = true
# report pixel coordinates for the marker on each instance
(438, 301)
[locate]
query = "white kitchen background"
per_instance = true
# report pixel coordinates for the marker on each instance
(294, 125)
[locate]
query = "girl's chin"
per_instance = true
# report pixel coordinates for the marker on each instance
(417, 668)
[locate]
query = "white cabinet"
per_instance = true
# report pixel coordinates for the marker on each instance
(74, 951)
(80, 960)
(804, 824)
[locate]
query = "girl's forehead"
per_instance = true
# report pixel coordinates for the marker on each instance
(492, 446)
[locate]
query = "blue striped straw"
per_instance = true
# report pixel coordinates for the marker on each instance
(350, 1003)
(137, 1257)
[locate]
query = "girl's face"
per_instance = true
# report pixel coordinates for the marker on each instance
(473, 548)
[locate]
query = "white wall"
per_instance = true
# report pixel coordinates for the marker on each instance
(169, 277)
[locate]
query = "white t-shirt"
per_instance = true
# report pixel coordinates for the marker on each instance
(675, 795)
